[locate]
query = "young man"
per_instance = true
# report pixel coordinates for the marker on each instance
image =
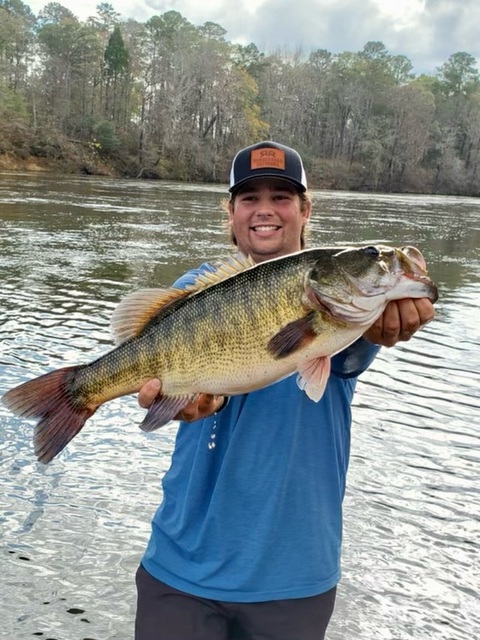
(246, 543)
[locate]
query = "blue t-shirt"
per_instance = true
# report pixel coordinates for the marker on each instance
(252, 502)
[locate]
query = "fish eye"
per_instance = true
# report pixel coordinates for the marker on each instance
(372, 251)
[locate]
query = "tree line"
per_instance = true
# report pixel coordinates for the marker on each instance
(168, 99)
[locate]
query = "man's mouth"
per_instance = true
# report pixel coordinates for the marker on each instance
(266, 227)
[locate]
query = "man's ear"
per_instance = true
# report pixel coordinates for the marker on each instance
(306, 210)
(230, 212)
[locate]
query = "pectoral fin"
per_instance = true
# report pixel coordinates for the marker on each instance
(313, 376)
(293, 336)
(162, 410)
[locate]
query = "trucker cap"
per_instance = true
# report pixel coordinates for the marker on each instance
(267, 159)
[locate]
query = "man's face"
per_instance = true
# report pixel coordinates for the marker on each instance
(267, 218)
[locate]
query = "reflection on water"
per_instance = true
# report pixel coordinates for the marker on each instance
(72, 532)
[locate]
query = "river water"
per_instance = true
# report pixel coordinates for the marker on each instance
(72, 532)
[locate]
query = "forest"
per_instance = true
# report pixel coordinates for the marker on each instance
(167, 99)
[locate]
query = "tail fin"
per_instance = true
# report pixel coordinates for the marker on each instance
(50, 397)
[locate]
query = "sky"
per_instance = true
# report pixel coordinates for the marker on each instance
(428, 32)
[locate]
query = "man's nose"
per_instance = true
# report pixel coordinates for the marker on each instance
(265, 207)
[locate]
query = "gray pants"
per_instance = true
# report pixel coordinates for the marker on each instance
(163, 613)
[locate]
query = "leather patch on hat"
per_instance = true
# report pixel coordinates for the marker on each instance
(267, 158)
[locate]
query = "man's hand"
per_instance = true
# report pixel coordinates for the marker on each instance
(400, 320)
(202, 407)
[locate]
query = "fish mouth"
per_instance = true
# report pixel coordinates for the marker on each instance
(411, 264)
(416, 258)
(431, 291)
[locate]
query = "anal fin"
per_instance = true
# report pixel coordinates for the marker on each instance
(163, 409)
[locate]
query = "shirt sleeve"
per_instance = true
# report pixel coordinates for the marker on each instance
(189, 277)
(355, 359)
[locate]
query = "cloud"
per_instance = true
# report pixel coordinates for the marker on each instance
(428, 34)
(426, 31)
(445, 27)
(343, 25)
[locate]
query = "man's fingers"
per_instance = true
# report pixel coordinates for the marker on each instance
(206, 402)
(400, 320)
(391, 323)
(425, 310)
(148, 392)
(189, 413)
(414, 314)
(202, 407)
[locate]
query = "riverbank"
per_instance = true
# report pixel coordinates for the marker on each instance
(323, 174)
(62, 165)
(9, 162)
(332, 176)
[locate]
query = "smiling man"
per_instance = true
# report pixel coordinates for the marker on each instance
(246, 543)
(269, 205)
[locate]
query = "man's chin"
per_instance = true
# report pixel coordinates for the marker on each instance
(262, 253)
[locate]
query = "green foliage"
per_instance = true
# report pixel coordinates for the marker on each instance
(55, 13)
(459, 75)
(105, 140)
(213, 31)
(249, 57)
(47, 144)
(171, 31)
(16, 41)
(116, 54)
(12, 105)
(106, 17)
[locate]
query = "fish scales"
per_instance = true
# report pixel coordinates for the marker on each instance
(248, 311)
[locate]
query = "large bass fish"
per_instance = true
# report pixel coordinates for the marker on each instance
(237, 329)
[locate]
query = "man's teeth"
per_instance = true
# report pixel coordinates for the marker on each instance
(266, 228)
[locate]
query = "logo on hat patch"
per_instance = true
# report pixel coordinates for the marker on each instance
(267, 158)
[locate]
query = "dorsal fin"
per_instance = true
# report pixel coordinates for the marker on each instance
(138, 308)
